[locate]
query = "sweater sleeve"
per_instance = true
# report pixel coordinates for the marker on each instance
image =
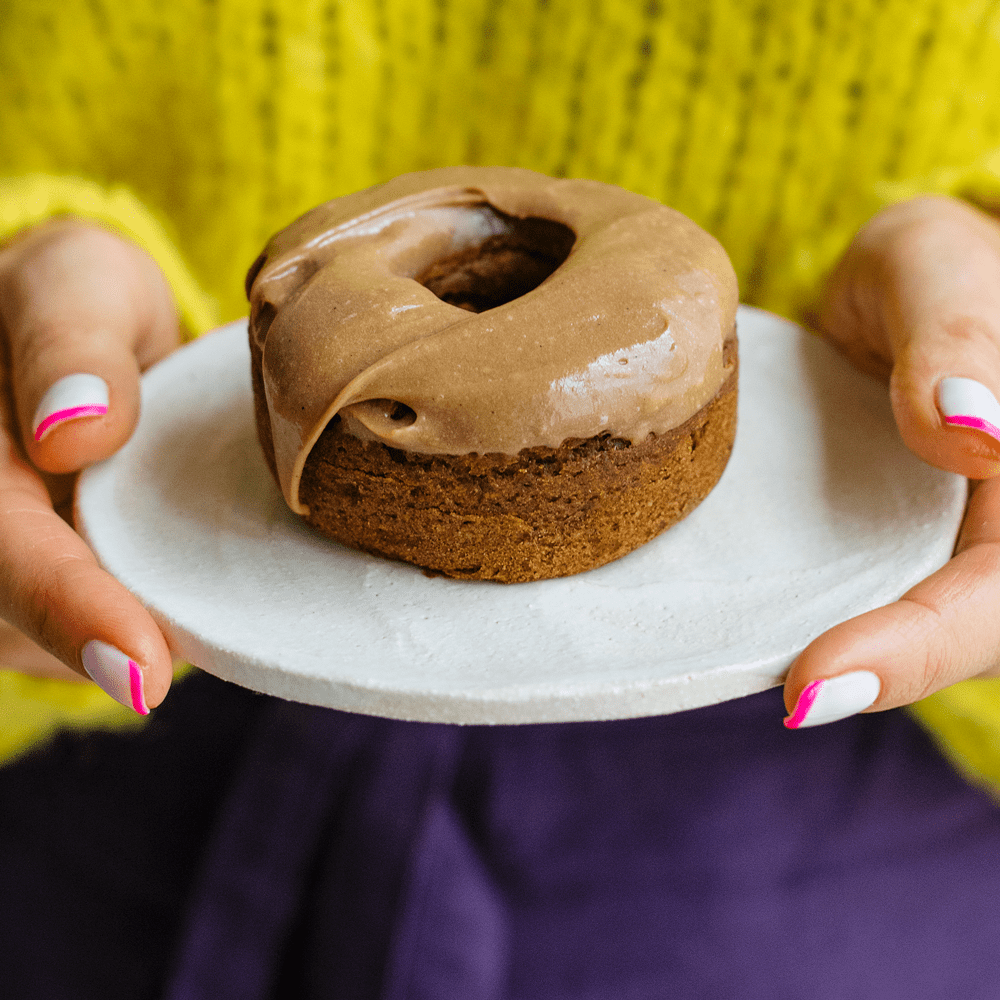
(978, 183)
(25, 201)
(802, 266)
(31, 708)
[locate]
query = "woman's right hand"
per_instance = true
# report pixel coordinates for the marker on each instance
(82, 314)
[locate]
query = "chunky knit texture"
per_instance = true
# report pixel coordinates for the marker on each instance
(777, 126)
(198, 127)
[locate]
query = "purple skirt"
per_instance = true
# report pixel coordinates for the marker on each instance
(243, 847)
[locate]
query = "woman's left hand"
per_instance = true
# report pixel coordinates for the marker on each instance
(916, 299)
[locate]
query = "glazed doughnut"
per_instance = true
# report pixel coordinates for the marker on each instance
(492, 373)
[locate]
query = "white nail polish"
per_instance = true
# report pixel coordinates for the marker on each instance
(835, 698)
(964, 402)
(70, 398)
(115, 673)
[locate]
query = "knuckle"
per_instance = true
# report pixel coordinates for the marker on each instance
(40, 340)
(917, 225)
(48, 591)
(936, 642)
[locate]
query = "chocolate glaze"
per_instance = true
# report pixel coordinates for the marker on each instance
(624, 336)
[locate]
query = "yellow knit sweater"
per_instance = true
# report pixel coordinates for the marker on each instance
(198, 127)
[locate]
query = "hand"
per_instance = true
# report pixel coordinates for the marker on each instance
(82, 313)
(916, 299)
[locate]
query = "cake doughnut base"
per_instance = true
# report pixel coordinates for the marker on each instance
(512, 518)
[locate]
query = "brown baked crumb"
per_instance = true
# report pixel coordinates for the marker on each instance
(542, 513)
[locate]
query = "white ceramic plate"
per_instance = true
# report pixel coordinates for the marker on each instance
(822, 514)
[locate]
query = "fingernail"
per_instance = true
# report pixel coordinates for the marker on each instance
(115, 674)
(834, 698)
(70, 398)
(964, 402)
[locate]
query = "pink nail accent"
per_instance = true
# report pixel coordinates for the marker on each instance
(72, 397)
(116, 673)
(964, 402)
(802, 706)
(71, 414)
(835, 698)
(135, 688)
(975, 422)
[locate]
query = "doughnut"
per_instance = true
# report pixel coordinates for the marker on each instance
(491, 373)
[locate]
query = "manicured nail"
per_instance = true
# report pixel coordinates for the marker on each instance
(835, 698)
(70, 398)
(115, 673)
(964, 402)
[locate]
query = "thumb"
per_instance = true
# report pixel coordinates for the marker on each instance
(917, 296)
(83, 313)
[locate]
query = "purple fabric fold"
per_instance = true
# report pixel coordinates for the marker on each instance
(258, 859)
(316, 854)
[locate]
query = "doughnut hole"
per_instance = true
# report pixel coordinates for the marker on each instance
(515, 258)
